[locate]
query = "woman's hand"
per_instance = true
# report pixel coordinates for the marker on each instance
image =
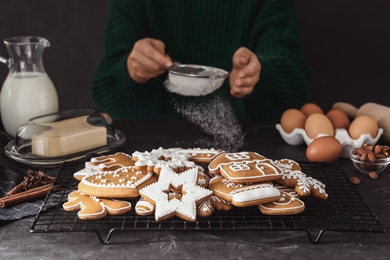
(147, 60)
(245, 73)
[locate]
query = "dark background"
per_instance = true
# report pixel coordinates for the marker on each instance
(346, 43)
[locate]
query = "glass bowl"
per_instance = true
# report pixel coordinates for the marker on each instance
(367, 166)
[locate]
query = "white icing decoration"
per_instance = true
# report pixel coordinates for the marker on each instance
(238, 156)
(117, 174)
(239, 167)
(256, 194)
(192, 193)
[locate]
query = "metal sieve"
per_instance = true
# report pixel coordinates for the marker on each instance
(194, 80)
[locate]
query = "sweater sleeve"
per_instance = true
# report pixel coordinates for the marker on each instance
(112, 88)
(284, 78)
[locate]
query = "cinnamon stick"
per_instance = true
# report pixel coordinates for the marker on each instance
(32, 180)
(24, 196)
(17, 189)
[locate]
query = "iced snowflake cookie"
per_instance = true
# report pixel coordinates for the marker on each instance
(304, 185)
(187, 194)
(124, 182)
(285, 205)
(244, 195)
(105, 163)
(158, 158)
(92, 208)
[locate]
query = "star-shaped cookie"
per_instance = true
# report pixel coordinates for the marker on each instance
(183, 205)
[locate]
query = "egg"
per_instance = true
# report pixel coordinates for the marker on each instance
(311, 108)
(338, 118)
(292, 119)
(324, 149)
(363, 124)
(318, 124)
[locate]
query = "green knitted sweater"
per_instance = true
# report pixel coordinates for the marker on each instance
(205, 32)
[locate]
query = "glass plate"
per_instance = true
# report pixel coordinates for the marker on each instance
(34, 160)
(62, 123)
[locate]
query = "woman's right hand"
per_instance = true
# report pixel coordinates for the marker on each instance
(147, 60)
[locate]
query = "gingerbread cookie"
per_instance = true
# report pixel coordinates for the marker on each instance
(225, 158)
(124, 182)
(144, 208)
(286, 189)
(182, 205)
(158, 158)
(250, 171)
(92, 208)
(293, 177)
(244, 195)
(199, 155)
(286, 205)
(205, 208)
(88, 169)
(220, 204)
(105, 163)
(288, 164)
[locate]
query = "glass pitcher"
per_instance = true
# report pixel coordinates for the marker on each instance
(27, 91)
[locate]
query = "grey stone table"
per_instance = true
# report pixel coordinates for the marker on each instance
(18, 242)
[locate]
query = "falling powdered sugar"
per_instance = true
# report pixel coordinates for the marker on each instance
(217, 119)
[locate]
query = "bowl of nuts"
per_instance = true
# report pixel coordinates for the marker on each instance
(371, 159)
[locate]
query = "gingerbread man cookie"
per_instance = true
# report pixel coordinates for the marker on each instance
(92, 208)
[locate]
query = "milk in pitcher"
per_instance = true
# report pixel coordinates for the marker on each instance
(27, 95)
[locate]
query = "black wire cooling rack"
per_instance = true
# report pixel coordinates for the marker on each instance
(344, 211)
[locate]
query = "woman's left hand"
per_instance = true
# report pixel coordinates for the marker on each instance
(245, 73)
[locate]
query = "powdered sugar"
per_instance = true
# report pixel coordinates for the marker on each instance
(217, 119)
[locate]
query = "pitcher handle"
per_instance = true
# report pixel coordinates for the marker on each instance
(4, 60)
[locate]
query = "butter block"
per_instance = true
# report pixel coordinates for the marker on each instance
(67, 137)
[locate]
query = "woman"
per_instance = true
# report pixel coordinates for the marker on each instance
(256, 41)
